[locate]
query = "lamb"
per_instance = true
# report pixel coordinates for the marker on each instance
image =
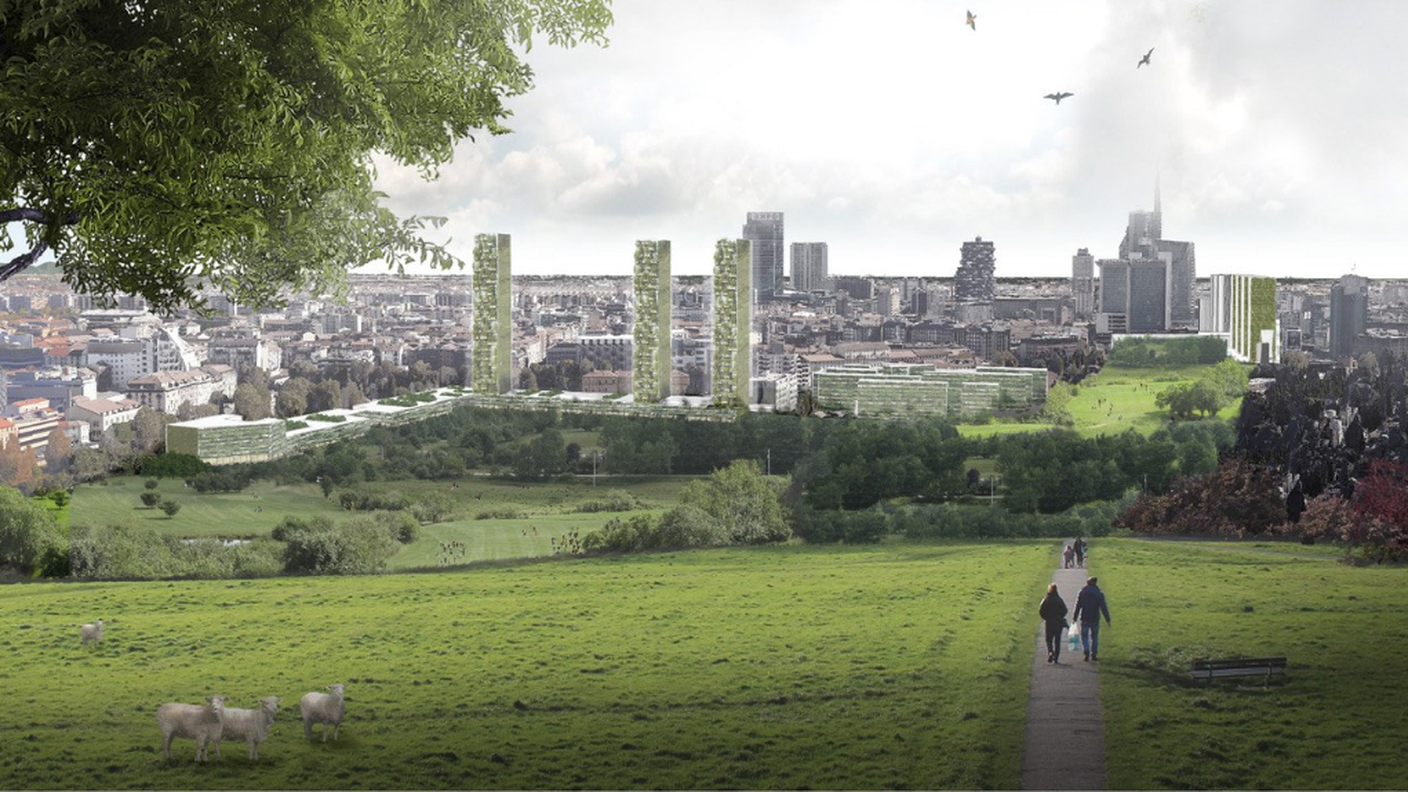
(251, 725)
(92, 632)
(202, 724)
(324, 708)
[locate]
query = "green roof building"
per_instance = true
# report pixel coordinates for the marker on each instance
(903, 389)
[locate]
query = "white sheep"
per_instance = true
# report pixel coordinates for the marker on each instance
(92, 632)
(324, 708)
(250, 725)
(203, 724)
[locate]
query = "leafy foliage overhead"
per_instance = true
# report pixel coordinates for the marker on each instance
(153, 147)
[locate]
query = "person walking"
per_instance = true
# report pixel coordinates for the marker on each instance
(1079, 547)
(1053, 613)
(1090, 603)
(1069, 555)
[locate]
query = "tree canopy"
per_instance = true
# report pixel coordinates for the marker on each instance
(155, 148)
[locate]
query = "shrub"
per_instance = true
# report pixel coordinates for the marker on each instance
(623, 536)
(151, 484)
(151, 499)
(501, 514)
(28, 532)
(688, 526)
(118, 551)
(214, 481)
(171, 465)
(355, 546)
(170, 507)
(613, 501)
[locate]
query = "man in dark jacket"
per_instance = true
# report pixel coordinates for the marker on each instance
(1090, 603)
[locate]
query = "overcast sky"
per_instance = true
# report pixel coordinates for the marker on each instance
(894, 132)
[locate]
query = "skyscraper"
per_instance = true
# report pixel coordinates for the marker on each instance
(491, 370)
(1143, 239)
(974, 281)
(1083, 283)
(764, 231)
(651, 363)
(1244, 307)
(733, 320)
(1349, 313)
(1134, 294)
(809, 267)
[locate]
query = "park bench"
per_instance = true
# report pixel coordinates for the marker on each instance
(1264, 667)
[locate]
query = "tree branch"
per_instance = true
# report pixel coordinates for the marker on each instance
(24, 214)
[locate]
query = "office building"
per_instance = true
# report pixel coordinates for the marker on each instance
(651, 366)
(975, 281)
(491, 351)
(809, 267)
(1143, 240)
(1083, 283)
(733, 318)
(764, 231)
(1349, 313)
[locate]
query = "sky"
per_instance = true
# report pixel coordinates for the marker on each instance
(1276, 129)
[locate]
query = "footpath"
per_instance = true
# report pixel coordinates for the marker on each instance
(1064, 746)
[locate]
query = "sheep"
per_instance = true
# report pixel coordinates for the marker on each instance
(324, 708)
(202, 724)
(92, 632)
(252, 725)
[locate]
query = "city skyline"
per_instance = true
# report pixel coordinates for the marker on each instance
(928, 133)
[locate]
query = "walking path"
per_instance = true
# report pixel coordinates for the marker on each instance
(1065, 741)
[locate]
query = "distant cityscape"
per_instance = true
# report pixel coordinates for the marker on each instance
(750, 335)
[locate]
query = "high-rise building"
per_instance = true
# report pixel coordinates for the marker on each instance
(1244, 307)
(491, 370)
(809, 268)
(764, 231)
(974, 281)
(651, 363)
(1083, 283)
(1148, 295)
(733, 320)
(1349, 313)
(1143, 239)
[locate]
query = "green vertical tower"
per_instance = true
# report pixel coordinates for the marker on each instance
(733, 320)
(491, 370)
(651, 362)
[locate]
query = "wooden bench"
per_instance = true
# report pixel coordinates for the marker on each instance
(1264, 667)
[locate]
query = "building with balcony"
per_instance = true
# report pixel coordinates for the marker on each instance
(491, 349)
(733, 321)
(651, 364)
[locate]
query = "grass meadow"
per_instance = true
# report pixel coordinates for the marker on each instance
(892, 666)
(1113, 401)
(1336, 720)
(495, 519)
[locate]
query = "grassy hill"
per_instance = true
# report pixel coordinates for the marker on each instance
(781, 667)
(901, 665)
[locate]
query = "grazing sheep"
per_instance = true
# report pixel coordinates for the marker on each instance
(250, 725)
(324, 708)
(202, 724)
(92, 632)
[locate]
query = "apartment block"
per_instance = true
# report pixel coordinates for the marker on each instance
(651, 365)
(733, 318)
(491, 371)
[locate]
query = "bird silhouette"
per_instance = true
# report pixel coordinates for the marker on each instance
(1058, 96)
(972, 21)
(1145, 59)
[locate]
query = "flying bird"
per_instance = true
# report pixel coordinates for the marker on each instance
(972, 21)
(1058, 96)
(1145, 60)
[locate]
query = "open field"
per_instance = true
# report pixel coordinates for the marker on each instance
(901, 665)
(1113, 401)
(549, 507)
(1335, 722)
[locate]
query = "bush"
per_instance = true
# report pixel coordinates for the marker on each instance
(151, 499)
(151, 484)
(688, 526)
(118, 551)
(173, 466)
(623, 536)
(213, 481)
(355, 546)
(170, 507)
(501, 514)
(28, 532)
(613, 501)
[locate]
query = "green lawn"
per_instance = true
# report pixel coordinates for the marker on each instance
(1335, 722)
(254, 511)
(1113, 401)
(893, 666)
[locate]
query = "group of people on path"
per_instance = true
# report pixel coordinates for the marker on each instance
(1074, 554)
(1090, 606)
